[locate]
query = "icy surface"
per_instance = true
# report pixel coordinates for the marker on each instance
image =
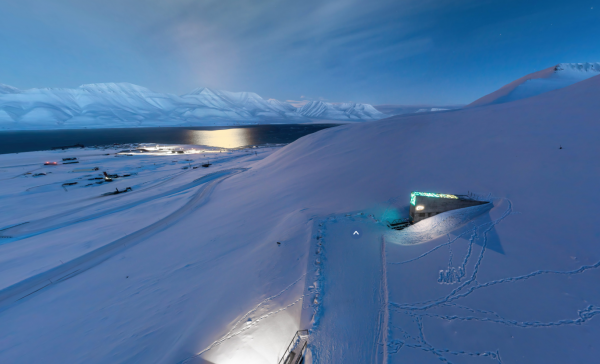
(128, 105)
(200, 277)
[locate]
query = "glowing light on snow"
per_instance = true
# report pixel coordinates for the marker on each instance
(263, 342)
(420, 207)
(413, 196)
(170, 150)
(227, 138)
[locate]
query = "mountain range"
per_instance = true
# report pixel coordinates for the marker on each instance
(106, 105)
(128, 105)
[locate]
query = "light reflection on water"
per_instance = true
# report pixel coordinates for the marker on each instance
(227, 138)
(16, 141)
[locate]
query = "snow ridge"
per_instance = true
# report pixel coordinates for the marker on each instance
(593, 67)
(128, 105)
(552, 78)
(6, 89)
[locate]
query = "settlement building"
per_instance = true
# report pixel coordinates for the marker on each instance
(427, 204)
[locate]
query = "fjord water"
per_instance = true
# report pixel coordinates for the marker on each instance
(223, 137)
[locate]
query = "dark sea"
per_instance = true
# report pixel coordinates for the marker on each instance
(223, 137)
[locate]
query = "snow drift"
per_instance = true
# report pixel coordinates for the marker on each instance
(436, 226)
(128, 105)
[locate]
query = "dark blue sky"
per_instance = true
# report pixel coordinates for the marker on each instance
(375, 51)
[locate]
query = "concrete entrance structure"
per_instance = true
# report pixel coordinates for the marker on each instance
(427, 204)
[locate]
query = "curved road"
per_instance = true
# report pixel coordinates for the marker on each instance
(30, 286)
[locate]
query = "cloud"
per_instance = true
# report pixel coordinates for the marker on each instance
(365, 50)
(222, 41)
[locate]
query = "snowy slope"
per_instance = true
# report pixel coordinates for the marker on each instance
(552, 78)
(6, 89)
(432, 109)
(516, 284)
(128, 105)
(343, 111)
(393, 110)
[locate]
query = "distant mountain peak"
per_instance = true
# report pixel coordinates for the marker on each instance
(200, 91)
(578, 67)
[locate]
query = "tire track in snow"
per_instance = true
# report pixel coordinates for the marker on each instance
(70, 269)
(44, 225)
(420, 310)
(447, 298)
(583, 316)
(51, 223)
(412, 309)
(384, 312)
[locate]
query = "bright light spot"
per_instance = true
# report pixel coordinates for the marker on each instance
(263, 342)
(413, 196)
(227, 138)
(420, 207)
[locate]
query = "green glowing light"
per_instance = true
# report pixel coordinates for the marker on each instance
(413, 196)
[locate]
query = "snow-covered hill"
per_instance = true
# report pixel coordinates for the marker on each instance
(6, 89)
(128, 105)
(393, 110)
(552, 78)
(432, 109)
(195, 273)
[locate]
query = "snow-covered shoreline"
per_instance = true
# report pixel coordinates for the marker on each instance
(19, 141)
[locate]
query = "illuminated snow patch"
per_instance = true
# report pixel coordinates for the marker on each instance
(436, 226)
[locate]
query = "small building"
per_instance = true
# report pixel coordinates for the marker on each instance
(427, 204)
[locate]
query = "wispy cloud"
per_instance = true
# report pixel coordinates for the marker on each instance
(365, 50)
(221, 42)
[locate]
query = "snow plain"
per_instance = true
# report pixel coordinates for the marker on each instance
(514, 284)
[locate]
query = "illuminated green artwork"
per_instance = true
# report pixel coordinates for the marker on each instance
(413, 196)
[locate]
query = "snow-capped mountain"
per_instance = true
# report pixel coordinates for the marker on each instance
(344, 111)
(125, 104)
(552, 78)
(245, 105)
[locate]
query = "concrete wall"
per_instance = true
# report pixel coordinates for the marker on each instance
(434, 205)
